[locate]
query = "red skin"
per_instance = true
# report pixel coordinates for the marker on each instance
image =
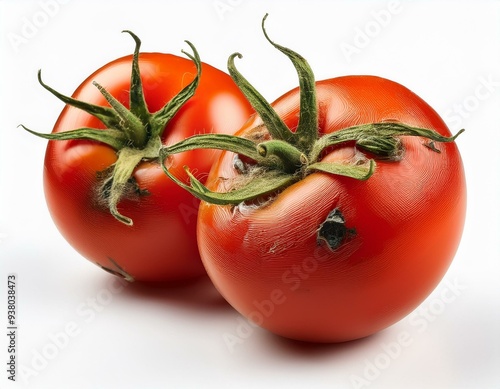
(408, 219)
(161, 245)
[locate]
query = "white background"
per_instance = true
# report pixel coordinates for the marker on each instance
(78, 328)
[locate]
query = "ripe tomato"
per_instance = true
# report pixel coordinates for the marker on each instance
(326, 257)
(401, 226)
(152, 236)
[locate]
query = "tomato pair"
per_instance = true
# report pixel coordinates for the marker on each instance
(329, 215)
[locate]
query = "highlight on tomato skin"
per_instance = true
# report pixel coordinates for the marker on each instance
(333, 212)
(103, 184)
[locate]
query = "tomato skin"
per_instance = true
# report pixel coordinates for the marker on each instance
(161, 244)
(404, 225)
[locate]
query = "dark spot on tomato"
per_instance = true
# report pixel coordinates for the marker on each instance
(117, 271)
(239, 165)
(333, 230)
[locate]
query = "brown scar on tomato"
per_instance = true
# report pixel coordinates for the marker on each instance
(119, 272)
(333, 230)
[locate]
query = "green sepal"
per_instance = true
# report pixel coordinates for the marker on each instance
(262, 185)
(273, 122)
(161, 117)
(137, 102)
(386, 148)
(358, 172)
(307, 128)
(128, 159)
(377, 138)
(105, 114)
(231, 143)
(113, 138)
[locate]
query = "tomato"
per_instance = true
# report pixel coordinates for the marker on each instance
(402, 226)
(152, 235)
(333, 257)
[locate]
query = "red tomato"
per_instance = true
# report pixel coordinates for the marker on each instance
(161, 243)
(331, 258)
(335, 211)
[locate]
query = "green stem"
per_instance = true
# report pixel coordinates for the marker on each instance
(282, 155)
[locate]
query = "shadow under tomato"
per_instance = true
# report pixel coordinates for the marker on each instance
(310, 350)
(198, 293)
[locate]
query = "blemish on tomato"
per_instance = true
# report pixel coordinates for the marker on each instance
(118, 271)
(432, 146)
(333, 230)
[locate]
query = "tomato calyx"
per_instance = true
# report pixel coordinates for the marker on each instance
(281, 157)
(134, 132)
